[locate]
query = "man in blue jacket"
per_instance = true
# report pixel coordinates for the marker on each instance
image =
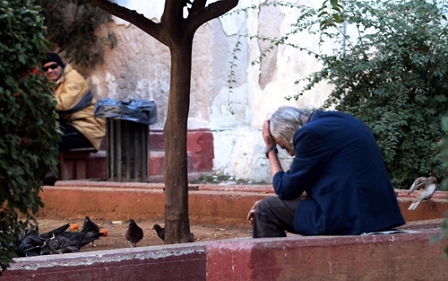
(337, 183)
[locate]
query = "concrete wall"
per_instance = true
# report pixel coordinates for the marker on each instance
(139, 67)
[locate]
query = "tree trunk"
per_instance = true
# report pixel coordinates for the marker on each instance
(177, 226)
(177, 34)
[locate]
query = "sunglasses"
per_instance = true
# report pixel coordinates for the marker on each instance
(52, 66)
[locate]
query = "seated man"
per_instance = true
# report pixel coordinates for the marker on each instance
(75, 103)
(337, 183)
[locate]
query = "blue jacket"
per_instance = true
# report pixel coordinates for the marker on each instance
(339, 165)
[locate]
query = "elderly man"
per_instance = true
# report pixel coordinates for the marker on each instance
(75, 105)
(337, 183)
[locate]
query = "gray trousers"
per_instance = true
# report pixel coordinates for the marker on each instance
(273, 217)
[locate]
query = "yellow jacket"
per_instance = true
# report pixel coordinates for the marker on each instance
(75, 105)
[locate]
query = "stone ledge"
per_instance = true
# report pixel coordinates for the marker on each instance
(262, 188)
(175, 262)
(208, 204)
(408, 256)
(363, 257)
(121, 202)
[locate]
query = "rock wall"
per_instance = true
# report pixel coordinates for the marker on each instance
(139, 67)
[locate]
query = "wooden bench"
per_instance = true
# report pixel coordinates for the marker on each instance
(72, 163)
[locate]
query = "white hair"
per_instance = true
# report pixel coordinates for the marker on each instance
(286, 120)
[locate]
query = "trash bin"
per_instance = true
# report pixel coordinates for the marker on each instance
(127, 137)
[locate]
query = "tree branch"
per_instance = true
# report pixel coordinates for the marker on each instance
(156, 30)
(172, 18)
(200, 15)
(197, 5)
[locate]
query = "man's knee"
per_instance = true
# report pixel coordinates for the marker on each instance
(267, 203)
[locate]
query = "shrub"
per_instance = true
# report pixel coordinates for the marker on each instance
(392, 75)
(27, 120)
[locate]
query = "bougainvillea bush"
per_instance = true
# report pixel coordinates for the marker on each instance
(28, 128)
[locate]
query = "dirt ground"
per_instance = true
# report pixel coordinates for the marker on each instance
(116, 230)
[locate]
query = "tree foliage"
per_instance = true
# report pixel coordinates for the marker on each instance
(27, 120)
(387, 63)
(388, 67)
(73, 27)
(391, 73)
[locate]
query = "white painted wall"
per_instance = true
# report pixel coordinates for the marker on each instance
(139, 67)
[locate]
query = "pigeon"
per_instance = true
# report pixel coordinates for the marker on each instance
(81, 238)
(29, 243)
(427, 186)
(160, 231)
(61, 245)
(133, 234)
(68, 242)
(89, 226)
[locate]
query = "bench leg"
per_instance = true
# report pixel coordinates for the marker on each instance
(72, 165)
(66, 169)
(80, 169)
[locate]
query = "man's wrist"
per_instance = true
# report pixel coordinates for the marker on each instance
(271, 148)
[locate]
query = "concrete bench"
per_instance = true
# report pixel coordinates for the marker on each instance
(73, 163)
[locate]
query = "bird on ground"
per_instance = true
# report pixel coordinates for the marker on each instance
(89, 226)
(68, 242)
(133, 234)
(160, 231)
(60, 244)
(82, 238)
(426, 186)
(33, 243)
(29, 243)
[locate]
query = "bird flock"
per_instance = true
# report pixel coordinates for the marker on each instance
(57, 241)
(134, 233)
(67, 238)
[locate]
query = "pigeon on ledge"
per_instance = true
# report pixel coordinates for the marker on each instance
(426, 186)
